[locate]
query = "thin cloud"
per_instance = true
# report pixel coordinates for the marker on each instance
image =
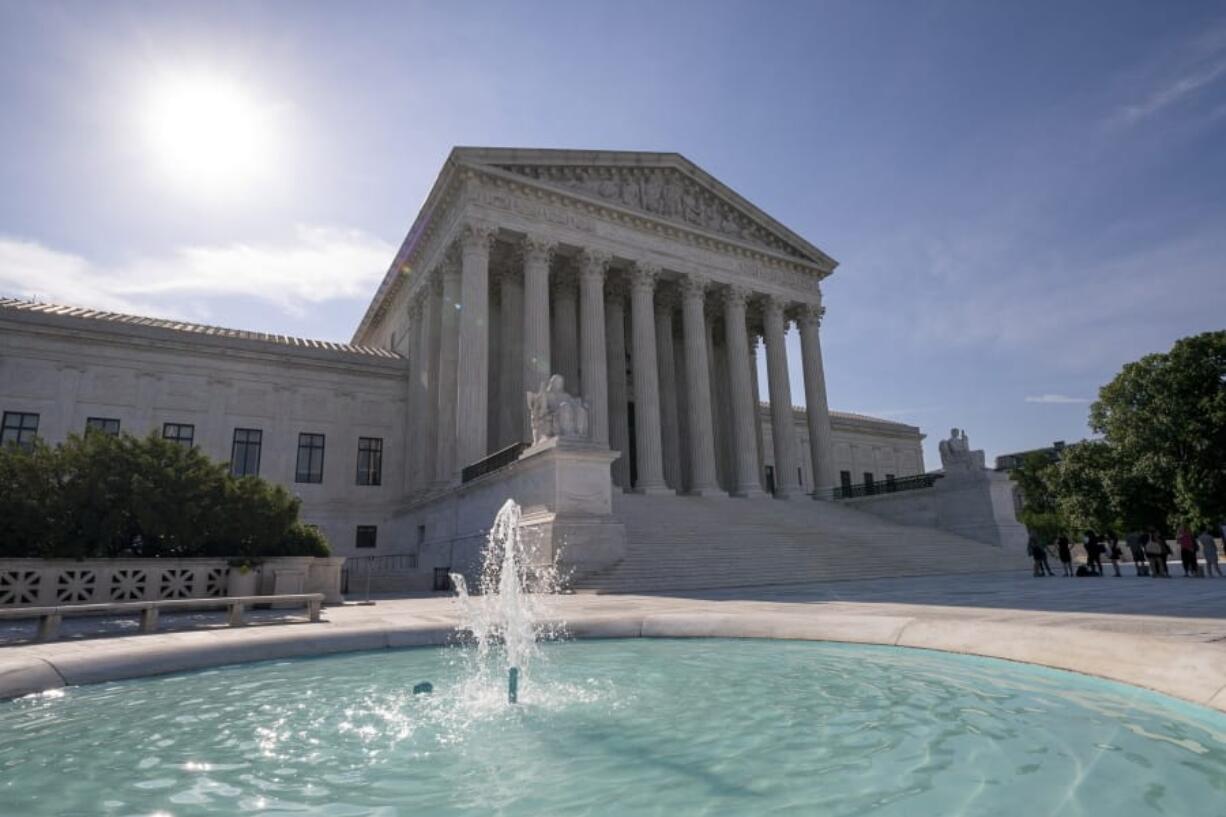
(1057, 399)
(1171, 93)
(316, 265)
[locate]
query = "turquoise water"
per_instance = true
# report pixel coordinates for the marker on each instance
(634, 727)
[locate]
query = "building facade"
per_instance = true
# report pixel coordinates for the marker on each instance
(647, 284)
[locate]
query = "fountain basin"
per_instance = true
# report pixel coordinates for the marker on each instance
(635, 726)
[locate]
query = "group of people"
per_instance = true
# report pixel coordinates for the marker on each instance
(1148, 550)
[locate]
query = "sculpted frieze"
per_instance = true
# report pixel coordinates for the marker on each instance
(504, 200)
(663, 192)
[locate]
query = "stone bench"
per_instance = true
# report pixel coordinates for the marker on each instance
(49, 618)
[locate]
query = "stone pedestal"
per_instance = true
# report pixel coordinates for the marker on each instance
(978, 504)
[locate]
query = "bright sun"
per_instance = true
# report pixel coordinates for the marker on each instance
(208, 134)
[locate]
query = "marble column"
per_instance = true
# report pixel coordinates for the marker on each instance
(511, 391)
(756, 388)
(449, 349)
(615, 352)
(593, 264)
(698, 387)
(493, 384)
(566, 332)
(783, 431)
(669, 437)
(744, 401)
(415, 477)
(720, 410)
(432, 315)
(649, 457)
(472, 397)
(538, 253)
(821, 445)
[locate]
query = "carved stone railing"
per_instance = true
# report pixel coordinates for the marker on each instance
(52, 582)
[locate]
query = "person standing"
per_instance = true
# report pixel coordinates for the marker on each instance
(1032, 550)
(1160, 537)
(1113, 551)
(1209, 548)
(1065, 552)
(1094, 553)
(1137, 551)
(1187, 552)
(1153, 552)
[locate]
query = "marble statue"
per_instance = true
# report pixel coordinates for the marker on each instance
(956, 453)
(554, 413)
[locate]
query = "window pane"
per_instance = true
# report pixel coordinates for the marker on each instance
(182, 433)
(365, 536)
(310, 466)
(19, 427)
(245, 455)
(370, 461)
(107, 425)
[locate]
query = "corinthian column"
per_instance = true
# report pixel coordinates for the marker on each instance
(538, 252)
(744, 401)
(510, 364)
(648, 455)
(449, 350)
(698, 387)
(821, 446)
(472, 395)
(566, 328)
(615, 353)
(415, 475)
(783, 430)
(592, 267)
(669, 436)
(432, 317)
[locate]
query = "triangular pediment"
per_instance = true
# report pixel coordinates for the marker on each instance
(665, 186)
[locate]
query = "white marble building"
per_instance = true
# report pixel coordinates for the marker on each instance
(649, 285)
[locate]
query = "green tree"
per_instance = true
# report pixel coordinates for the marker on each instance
(1040, 511)
(1083, 483)
(31, 502)
(1165, 418)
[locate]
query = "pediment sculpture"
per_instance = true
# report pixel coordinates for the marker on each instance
(663, 192)
(555, 414)
(956, 453)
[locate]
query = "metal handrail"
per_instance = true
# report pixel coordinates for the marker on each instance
(877, 488)
(494, 462)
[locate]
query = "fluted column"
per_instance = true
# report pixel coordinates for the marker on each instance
(648, 454)
(669, 437)
(783, 430)
(566, 328)
(449, 351)
(416, 476)
(615, 355)
(698, 387)
(756, 388)
(593, 358)
(472, 399)
(432, 315)
(744, 401)
(511, 391)
(538, 253)
(821, 445)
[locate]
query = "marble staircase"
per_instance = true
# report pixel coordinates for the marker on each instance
(693, 543)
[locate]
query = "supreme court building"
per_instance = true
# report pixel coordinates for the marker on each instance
(648, 285)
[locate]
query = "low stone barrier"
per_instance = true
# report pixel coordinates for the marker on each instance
(53, 582)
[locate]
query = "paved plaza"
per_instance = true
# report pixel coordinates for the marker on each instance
(1167, 635)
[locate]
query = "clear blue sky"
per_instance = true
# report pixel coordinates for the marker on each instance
(1022, 196)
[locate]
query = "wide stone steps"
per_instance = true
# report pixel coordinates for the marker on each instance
(693, 543)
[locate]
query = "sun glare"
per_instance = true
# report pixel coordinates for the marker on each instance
(208, 134)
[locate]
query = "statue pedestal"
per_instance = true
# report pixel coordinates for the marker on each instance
(566, 492)
(978, 504)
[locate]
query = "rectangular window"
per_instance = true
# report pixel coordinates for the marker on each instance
(845, 482)
(182, 433)
(310, 458)
(366, 536)
(245, 453)
(107, 425)
(370, 460)
(19, 427)
(868, 482)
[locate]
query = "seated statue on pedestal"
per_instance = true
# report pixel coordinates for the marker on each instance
(554, 413)
(956, 453)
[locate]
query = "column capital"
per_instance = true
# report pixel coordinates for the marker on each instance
(810, 315)
(694, 287)
(643, 276)
(477, 236)
(593, 264)
(448, 268)
(775, 306)
(737, 296)
(538, 249)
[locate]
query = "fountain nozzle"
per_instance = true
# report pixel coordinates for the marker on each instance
(513, 685)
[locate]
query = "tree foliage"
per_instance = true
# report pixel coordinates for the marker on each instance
(99, 495)
(1164, 417)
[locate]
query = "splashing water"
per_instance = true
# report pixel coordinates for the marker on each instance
(509, 615)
